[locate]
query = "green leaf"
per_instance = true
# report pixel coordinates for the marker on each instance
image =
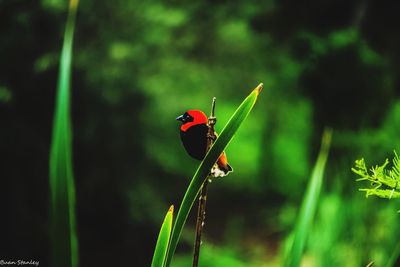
(160, 252)
(64, 241)
(309, 205)
(394, 256)
(205, 166)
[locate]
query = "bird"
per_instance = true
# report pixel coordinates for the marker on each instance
(193, 132)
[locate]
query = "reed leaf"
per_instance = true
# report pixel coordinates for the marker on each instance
(64, 241)
(309, 205)
(160, 252)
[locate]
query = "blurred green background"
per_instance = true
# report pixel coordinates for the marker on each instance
(139, 64)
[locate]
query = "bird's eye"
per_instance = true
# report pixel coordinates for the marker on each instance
(187, 117)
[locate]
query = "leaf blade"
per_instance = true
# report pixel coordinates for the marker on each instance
(309, 204)
(62, 189)
(394, 256)
(160, 252)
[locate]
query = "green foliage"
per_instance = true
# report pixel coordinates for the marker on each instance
(213, 256)
(325, 235)
(395, 255)
(64, 243)
(309, 205)
(204, 168)
(385, 183)
(5, 94)
(160, 252)
(289, 143)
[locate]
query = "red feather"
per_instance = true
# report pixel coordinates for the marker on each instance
(198, 118)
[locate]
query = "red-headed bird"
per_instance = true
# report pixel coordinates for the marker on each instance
(194, 131)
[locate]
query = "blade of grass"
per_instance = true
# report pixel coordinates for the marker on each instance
(309, 205)
(394, 256)
(160, 252)
(205, 166)
(64, 241)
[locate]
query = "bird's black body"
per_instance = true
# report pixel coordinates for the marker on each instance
(194, 140)
(194, 131)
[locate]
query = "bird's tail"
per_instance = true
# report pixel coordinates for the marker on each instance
(221, 168)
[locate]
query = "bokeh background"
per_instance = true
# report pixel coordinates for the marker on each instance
(139, 64)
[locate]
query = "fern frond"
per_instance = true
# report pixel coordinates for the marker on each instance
(396, 167)
(385, 183)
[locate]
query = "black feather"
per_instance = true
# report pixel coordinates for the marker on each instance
(194, 140)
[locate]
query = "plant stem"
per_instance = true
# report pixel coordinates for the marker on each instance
(201, 216)
(201, 212)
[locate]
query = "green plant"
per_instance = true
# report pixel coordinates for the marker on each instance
(309, 205)
(160, 252)
(385, 182)
(64, 242)
(394, 256)
(205, 166)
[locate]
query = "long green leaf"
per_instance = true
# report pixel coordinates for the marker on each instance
(160, 252)
(394, 256)
(64, 242)
(205, 166)
(309, 205)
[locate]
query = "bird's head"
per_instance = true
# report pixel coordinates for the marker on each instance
(191, 118)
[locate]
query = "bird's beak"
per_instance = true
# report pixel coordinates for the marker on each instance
(180, 118)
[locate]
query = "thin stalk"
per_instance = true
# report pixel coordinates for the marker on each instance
(201, 217)
(201, 212)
